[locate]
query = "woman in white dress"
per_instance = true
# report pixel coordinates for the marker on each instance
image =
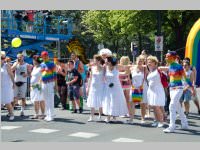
(96, 87)
(155, 92)
(139, 87)
(35, 94)
(7, 86)
(114, 102)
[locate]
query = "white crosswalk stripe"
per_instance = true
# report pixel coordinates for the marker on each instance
(126, 140)
(9, 127)
(84, 135)
(42, 130)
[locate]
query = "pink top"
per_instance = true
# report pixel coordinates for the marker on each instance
(125, 81)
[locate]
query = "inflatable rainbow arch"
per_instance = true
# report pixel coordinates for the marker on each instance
(192, 49)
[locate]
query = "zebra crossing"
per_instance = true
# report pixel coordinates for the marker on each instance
(82, 135)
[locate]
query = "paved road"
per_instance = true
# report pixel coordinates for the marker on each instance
(69, 127)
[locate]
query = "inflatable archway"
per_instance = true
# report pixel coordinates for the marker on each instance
(193, 48)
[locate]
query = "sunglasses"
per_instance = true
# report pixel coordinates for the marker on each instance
(3, 58)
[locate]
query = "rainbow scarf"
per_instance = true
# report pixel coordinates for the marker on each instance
(176, 74)
(48, 70)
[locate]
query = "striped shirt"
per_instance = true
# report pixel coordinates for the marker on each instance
(48, 70)
(177, 74)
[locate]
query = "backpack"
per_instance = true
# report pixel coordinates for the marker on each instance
(163, 79)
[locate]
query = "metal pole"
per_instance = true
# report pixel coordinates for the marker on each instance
(58, 45)
(159, 29)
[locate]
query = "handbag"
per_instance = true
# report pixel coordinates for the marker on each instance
(19, 83)
(137, 93)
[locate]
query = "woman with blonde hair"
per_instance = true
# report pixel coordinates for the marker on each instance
(155, 92)
(124, 77)
(139, 88)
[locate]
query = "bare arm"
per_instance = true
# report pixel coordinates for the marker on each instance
(163, 68)
(10, 73)
(14, 66)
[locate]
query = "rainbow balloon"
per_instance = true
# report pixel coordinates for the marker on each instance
(193, 48)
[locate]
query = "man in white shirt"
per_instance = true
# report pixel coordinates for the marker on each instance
(21, 74)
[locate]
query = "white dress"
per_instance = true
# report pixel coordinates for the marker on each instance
(137, 81)
(96, 91)
(7, 92)
(114, 102)
(35, 77)
(155, 92)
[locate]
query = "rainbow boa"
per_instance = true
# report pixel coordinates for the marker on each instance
(176, 74)
(48, 70)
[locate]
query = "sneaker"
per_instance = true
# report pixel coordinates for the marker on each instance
(155, 124)
(12, 117)
(48, 119)
(168, 130)
(90, 119)
(107, 120)
(22, 114)
(160, 125)
(80, 110)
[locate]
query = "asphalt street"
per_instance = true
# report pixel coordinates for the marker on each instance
(68, 127)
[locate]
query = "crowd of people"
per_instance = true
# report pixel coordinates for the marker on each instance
(112, 87)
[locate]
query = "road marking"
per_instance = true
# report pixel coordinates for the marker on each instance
(9, 127)
(84, 135)
(126, 140)
(42, 130)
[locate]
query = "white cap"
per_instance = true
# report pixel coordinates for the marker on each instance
(105, 51)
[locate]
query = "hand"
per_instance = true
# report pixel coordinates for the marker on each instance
(184, 90)
(68, 83)
(193, 92)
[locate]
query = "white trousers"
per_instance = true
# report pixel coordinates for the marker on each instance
(175, 106)
(48, 97)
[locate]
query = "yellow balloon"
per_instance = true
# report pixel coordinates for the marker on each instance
(16, 42)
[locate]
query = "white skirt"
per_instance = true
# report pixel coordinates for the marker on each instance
(95, 99)
(36, 95)
(114, 102)
(156, 96)
(7, 95)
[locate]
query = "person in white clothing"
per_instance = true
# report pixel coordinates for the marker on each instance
(155, 92)
(49, 85)
(96, 87)
(139, 88)
(114, 101)
(36, 95)
(7, 86)
(21, 74)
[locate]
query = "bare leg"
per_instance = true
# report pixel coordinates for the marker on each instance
(143, 111)
(127, 96)
(42, 107)
(187, 106)
(36, 108)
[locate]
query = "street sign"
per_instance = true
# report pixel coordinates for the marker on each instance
(158, 43)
